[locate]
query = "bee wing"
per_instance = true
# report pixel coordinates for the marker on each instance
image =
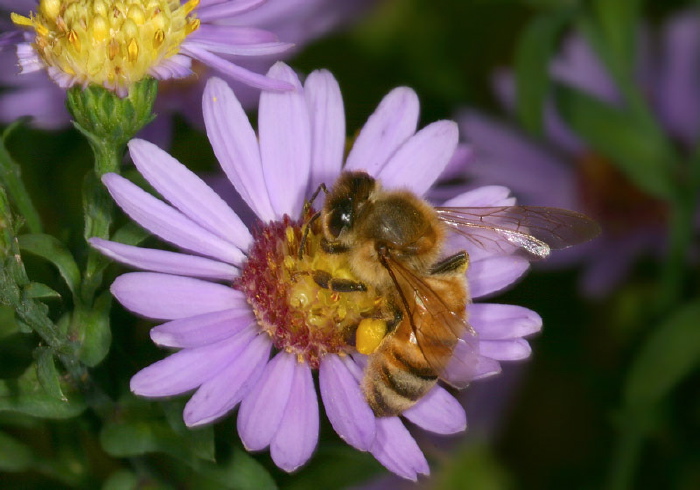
(439, 331)
(509, 229)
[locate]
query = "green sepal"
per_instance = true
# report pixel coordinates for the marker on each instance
(50, 248)
(532, 57)
(27, 395)
(94, 331)
(668, 355)
(107, 119)
(14, 455)
(641, 153)
(48, 374)
(37, 290)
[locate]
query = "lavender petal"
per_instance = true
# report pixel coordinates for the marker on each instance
(297, 436)
(418, 163)
(169, 297)
(397, 450)
(345, 405)
(218, 395)
(285, 143)
(438, 412)
(205, 329)
(392, 123)
(262, 410)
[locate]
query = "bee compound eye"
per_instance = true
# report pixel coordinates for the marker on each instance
(340, 218)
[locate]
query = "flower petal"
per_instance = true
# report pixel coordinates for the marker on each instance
(418, 163)
(484, 196)
(493, 274)
(461, 375)
(327, 114)
(499, 322)
(171, 297)
(262, 410)
(285, 143)
(189, 368)
(230, 69)
(392, 123)
(168, 223)
(164, 261)
(217, 396)
(200, 330)
(236, 146)
(438, 412)
(505, 350)
(345, 405)
(397, 450)
(188, 193)
(296, 439)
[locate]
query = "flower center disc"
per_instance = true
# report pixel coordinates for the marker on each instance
(112, 43)
(299, 314)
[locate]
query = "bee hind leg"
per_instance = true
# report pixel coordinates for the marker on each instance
(452, 264)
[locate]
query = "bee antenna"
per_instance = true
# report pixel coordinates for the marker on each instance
(305, 234)
(321, 187)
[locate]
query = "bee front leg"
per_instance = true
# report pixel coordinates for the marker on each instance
(452, 264)
(333, 248)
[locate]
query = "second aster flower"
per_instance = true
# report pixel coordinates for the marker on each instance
(233, 298)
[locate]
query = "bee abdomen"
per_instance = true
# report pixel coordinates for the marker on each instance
(394, 382)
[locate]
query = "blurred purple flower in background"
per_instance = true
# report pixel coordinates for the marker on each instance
(562, 171)
(246, 26)
(226, 334)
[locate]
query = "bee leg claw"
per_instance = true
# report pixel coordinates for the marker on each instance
(454, 263)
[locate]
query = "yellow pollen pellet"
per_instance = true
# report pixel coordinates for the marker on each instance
(133, 50)
(74, 40)
(370, 333)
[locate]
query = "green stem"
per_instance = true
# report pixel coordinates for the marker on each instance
(11, 178)
(625, 460)
(98, 208)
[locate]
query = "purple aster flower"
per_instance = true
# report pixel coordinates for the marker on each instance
(563, 171)
(233, 298)
(254, 24)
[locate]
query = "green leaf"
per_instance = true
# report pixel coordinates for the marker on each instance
(96, 336)
(26, 395)
(617, 23)
(130, 234)
(14, 455)
(641, 153)
(48, 374)
(201, 439)
(36, 290)
(239, 472)
(472, 466)
(532, 57)
(51, 249)
(669, 354)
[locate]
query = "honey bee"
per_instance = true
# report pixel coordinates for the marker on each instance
(395, 242)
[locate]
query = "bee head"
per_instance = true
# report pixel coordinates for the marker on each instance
(344, 201)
